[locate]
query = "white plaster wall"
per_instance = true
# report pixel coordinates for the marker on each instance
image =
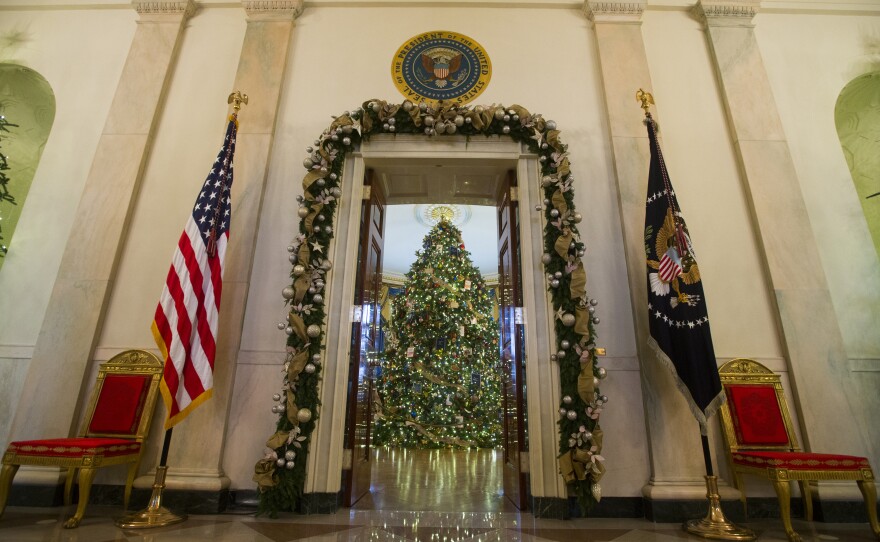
(83, 73)
(809, 59)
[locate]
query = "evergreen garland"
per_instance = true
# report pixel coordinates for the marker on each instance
(281, 473)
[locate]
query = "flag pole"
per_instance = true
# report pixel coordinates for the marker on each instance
(156, 515)
(714, 526)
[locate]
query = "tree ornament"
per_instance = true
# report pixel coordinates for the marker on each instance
(313, 290)
(316, 358)
(571, 415)
(564, 344)
(553, 357)
(289, 455)
(288, 330)
(281, 325)
(546, 181)
(591, 309)
(275, 409)
(328, 230)
(287, 292)
(603, 398)
(576, 217)
(499, 114)
(594, 302)
(550, 125)
(546, 258)
(276, 397)
(307, 163)
(318, 298)
(303, 212)
(560, 354)
(566, 399)
(458, 120)
(554, 212)
(313, 330)
(505, 129)
(280, 461)
(290, 465)
(596, 320)
(304, 415)
(333, 176)
(346, 141)
(558, 274)
(320, 218)
(429, 120)
(554, 284)
(321, 183)
(563, 411)
(568, 319)
(281, 408)
(298, 270)
(601, 372)
(423, 106)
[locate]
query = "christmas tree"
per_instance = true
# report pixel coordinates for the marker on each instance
(440, 383)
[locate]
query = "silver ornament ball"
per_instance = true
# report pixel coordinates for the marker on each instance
(276, 397)
(289, 455)
(546, 258)
(551, 125)
(280, 462)
(287, 292)
(567, 399)
(304, 415)
(564, 344)
(554, 213)
(554, 283)
(571, 415)
(290, 465)
(318, 298)
(499, 114)
(281, 325)
(601, 372)
(596, 320)
(288, 330)
(558, 274)
(307, 163)
(346, 141)
(568, 319)
(309, 368)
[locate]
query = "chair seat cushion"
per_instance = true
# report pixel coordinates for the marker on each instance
(799, 460)
(75, 447)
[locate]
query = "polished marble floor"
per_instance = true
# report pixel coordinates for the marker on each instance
(425, 496)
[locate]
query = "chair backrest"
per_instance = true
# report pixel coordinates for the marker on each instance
(755, 416)
(124, 397)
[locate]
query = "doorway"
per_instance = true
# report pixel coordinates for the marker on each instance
(541, 376)
(436, 413)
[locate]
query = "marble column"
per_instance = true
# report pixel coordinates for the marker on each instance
(675, 451)
(196, 457)
(77, 305)
(818, 365)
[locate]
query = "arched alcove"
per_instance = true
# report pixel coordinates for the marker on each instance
(28, 103)
(857, 116)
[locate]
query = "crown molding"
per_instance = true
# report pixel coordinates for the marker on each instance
(614, 11)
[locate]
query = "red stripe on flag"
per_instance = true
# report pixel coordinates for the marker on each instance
(191, 379)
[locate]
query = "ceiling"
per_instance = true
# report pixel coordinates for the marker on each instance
(411, 184)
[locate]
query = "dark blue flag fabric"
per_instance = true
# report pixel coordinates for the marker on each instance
(679, 321)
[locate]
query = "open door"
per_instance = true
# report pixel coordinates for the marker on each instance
(511, 346)
(364, 336)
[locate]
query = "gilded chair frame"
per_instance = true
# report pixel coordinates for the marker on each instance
(129, 362)
(742, 371)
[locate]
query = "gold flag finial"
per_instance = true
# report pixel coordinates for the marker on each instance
(646, 98)
(236, 99)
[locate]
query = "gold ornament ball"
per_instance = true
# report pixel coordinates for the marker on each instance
(313, 330)
(568, 319)
(303, 212)
(304, 415)
(298, 270)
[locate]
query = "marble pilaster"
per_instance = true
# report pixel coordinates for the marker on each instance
(64, 347)
(196, 458)
(809, 329)
(675, 452)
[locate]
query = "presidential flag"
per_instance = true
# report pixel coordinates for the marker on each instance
(677, 314)
(185, 325)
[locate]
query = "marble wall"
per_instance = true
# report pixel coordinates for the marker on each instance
(545, 58)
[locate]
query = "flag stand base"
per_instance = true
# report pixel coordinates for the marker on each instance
(154, 515)
(715, 526)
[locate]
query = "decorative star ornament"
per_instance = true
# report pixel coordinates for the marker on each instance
(316, 246)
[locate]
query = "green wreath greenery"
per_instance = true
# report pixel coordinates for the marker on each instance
(280, 474)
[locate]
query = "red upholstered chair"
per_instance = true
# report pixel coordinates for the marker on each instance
(116, 423)
(761, 441)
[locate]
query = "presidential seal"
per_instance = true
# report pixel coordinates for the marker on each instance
(441, 65)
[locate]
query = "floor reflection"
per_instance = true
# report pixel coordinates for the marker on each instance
(436, 480)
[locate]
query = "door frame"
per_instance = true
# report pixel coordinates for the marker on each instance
(326, 462)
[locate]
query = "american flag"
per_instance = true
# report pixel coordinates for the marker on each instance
(185, 325)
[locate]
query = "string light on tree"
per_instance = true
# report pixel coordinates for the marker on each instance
(440, 384)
